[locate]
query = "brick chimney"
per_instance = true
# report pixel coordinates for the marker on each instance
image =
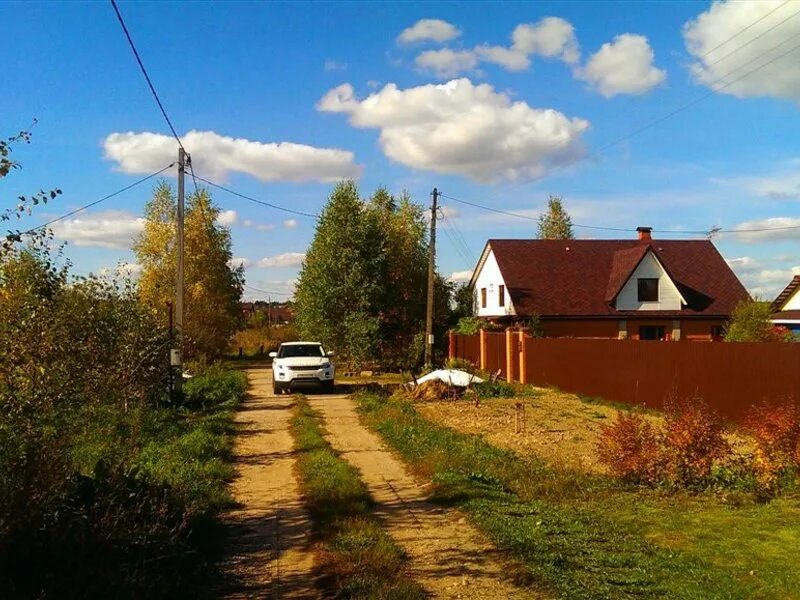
(645, 233)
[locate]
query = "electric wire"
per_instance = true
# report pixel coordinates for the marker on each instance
(251, 199)
(255, 289)
(458, 242)
(708, 232)
(455, 245)
(144, 72)
(741, 31)
(96, 202)
(751, 40)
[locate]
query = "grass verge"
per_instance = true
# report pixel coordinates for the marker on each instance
(586, 536)
(357, 558)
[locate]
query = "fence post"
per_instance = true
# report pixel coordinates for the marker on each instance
(523, 358)
(484, 349)
(509, 355)
(452, 345)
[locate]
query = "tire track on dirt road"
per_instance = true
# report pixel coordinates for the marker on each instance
(448, 556)
(267, 550)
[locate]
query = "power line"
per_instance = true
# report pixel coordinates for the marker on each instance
(256, 200)
(255, 289)
(707, 232)
(750, 41)
(529, 218)
(96, 202)
(144, 72)
(684, 107)
(741, 31)
(455, 245)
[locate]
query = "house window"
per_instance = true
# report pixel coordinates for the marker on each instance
(501, 296)
(648, 290)
(483, 297)
(652, 332)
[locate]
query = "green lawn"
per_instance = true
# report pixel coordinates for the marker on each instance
(585, 536)
(357, 558)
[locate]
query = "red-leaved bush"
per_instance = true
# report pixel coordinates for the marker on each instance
(681, 453)
(776, 431)
(631, 450)
(693, 440)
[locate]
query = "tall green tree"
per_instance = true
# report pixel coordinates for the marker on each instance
(362, 288)
(338, 291)
(212, 287)
(555, 224)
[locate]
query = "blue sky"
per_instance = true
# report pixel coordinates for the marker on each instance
(499, 104)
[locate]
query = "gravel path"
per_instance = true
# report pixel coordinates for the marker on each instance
(267, 552)
(448, 557)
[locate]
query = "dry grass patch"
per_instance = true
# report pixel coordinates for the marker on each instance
(560, 428)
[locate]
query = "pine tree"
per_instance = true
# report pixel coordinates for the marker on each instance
(212, 287)
(556, 223)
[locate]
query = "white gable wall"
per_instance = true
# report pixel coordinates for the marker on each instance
(793, 303)
(491, 278)
(669, 298)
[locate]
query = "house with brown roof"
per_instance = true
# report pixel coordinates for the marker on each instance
(638, 289)
(786, 307)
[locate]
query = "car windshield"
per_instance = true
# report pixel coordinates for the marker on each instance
(300, 350)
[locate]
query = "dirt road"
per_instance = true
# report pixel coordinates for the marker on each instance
(448, 557)
(268, 554)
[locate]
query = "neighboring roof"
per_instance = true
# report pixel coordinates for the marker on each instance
(786, 315)
(574, 278)
(787, 293)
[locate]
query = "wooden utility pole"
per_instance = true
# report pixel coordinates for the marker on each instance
(431, 274)
(177, 352)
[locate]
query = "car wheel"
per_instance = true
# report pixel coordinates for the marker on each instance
(327, 386)
(277, 389)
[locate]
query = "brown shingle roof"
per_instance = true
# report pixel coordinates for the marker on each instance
(778, 303)
(580, 278)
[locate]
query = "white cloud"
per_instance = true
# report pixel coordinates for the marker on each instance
(782, 184)
(124, 270)
(289, 259)
(107, 229)
(458, 127)
(552, 37)
(227, 218)
(718, 63)
(332, 65)
(508, 58)
(239, 261)
(762, 280)
(290, 223)
(460, 276)
(624, 66)
(449, 211)
(434, 30)
(216, 156)
(446, 63)
(775, 229)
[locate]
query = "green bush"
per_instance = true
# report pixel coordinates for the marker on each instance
(214, 386)
(469, 326)
(498, 389)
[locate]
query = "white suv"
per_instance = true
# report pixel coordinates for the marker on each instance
(298, 363)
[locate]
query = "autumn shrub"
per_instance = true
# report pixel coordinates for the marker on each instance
(693, 441)
(775, 428)
(631, 449)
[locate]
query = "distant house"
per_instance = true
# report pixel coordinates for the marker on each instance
(639, 289)
(786, 306)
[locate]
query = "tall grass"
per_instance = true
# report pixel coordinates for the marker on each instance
(357, 558)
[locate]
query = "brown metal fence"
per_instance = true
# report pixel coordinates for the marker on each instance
(467, 347)
(730, 377)
(496, 353)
